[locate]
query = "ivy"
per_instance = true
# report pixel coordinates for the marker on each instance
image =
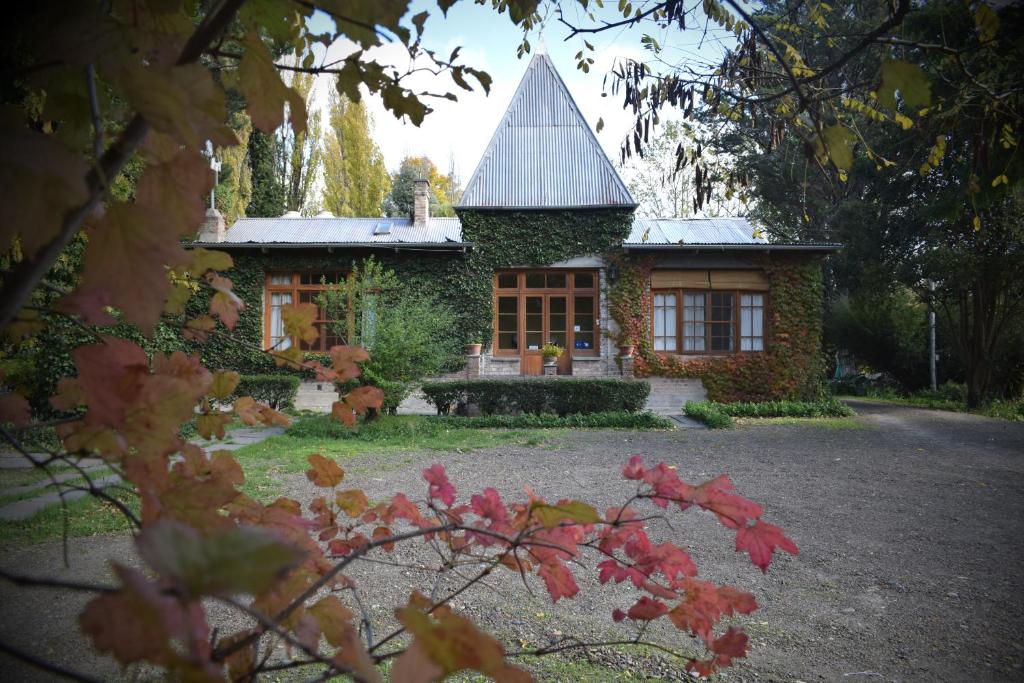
(791, 367)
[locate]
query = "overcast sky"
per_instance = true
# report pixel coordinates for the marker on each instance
(460, 130)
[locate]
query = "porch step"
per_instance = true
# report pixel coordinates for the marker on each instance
(316, 396)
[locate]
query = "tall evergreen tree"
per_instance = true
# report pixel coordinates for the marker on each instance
(299, 156)
(356, 180)
(400, 201)
(267, 198)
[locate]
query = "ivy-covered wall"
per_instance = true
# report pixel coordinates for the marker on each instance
(791, 365)
(503, 239)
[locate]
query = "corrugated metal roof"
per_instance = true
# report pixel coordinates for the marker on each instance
(291, 231)
(693, 231)
(543, 154)
(711, 233)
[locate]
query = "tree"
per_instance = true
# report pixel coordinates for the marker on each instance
(298, 155)
(356, 181)
(234, 187)
(400, 200)
(281, 569)
(268, 194)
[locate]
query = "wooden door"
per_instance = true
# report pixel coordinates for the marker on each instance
(558, 329)
(533, 333)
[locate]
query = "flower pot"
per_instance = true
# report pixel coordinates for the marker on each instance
(550, 360)
(473, 349)
(625, 350)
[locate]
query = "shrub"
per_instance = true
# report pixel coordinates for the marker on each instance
(708, 413)
(719, 415)
(606, 420)
(277, 391)
(537, 396)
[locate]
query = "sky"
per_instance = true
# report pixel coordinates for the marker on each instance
(458, 132)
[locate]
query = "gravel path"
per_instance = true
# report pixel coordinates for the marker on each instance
(911, 531)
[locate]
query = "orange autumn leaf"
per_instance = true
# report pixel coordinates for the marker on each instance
(324, 472)
(362, 399)
(345, 359)
(14, 408)
(247, 410)
(353, 502)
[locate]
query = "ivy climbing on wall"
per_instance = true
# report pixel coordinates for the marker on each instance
(790, 367)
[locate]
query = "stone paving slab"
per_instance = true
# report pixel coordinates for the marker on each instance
(17, 461)
(45, 481)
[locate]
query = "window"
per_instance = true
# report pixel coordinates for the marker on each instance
(752, 322)
(664, 322)
(284, 289)
(533, 308)
(713, 321)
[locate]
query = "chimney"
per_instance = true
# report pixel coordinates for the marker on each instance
(420, 203)
(214, 228)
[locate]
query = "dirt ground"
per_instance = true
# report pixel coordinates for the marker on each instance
(910, 527)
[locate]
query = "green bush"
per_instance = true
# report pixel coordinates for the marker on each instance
(538, 396)
(719, 415)
(277, 391)
(394, 392)
(605, 420)
(708, 413)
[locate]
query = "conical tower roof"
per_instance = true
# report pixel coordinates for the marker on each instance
(543, 154)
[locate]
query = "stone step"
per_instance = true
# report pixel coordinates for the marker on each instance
(316, 396)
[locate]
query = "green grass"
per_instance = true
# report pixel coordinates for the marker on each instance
(1003, 410)
(607, 420)
(719, 415)
(265, 462)
(822, 422)
(86, 517)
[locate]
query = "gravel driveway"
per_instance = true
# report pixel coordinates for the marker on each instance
(911, 530)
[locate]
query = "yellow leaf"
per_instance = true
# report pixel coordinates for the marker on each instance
(909, 79)
(265, 92)
(574, 511)
(224, 383)
(976, 223)
(905, 122)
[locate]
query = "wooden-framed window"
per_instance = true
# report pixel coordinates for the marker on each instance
(537, 307)
(710, 321)
(287, 288)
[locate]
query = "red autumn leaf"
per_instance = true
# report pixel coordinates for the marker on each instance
(403, 508)
(558, 580)
(732, 600)
(733, 511)
(731, 644)
(618, 615)
(14, 408)
(345, 359)
(634, 469)
(647, 609)
(703, 668)
(699, 610)
(343, 413)
(298, 321)
(225, 306)
(362, 399)
(324, 472)
(489, 506)
(380, 533)
(440, 487)
(110, 375)
(761, 540)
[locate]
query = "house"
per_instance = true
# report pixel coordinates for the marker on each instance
(546, 248)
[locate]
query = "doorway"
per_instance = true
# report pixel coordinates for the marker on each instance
(551, 306)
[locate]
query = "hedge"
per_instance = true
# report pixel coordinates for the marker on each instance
(537, 396)
(277, 391)
(719, 415)
(605, 420)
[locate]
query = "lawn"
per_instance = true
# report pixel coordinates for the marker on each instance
(265, 462)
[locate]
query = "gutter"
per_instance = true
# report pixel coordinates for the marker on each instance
(430, 246)
(734, 247)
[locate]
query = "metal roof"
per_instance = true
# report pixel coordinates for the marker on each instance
(438, 233)
(711, 233)
(543, 154)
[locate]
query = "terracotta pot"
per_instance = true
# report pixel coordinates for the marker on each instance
(625, 350)
(473, 349)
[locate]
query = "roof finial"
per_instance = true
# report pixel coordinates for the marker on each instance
(542, 47)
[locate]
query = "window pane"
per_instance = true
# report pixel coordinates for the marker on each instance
(556, 280)
(583, 323)
(508, 280)
(508, 341)
(280, 279)
(583, 280)
(508, 304)
(535, 280)
(752, 322)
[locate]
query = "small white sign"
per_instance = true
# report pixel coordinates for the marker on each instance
(575, 328)
(533, 347)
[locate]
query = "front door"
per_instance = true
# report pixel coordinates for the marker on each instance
(534, 308)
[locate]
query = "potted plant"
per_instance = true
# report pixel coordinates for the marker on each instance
(625, 347)
(551, 352)
(473, 348)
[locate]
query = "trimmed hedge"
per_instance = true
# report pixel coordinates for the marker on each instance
(606, 420)
(277, 391)
(719, 415)
(538, 396)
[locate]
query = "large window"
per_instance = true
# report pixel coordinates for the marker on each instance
(285, 289)
(533, 308)
(710, 321)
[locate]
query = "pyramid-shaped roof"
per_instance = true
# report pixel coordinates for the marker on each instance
(543, 154)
